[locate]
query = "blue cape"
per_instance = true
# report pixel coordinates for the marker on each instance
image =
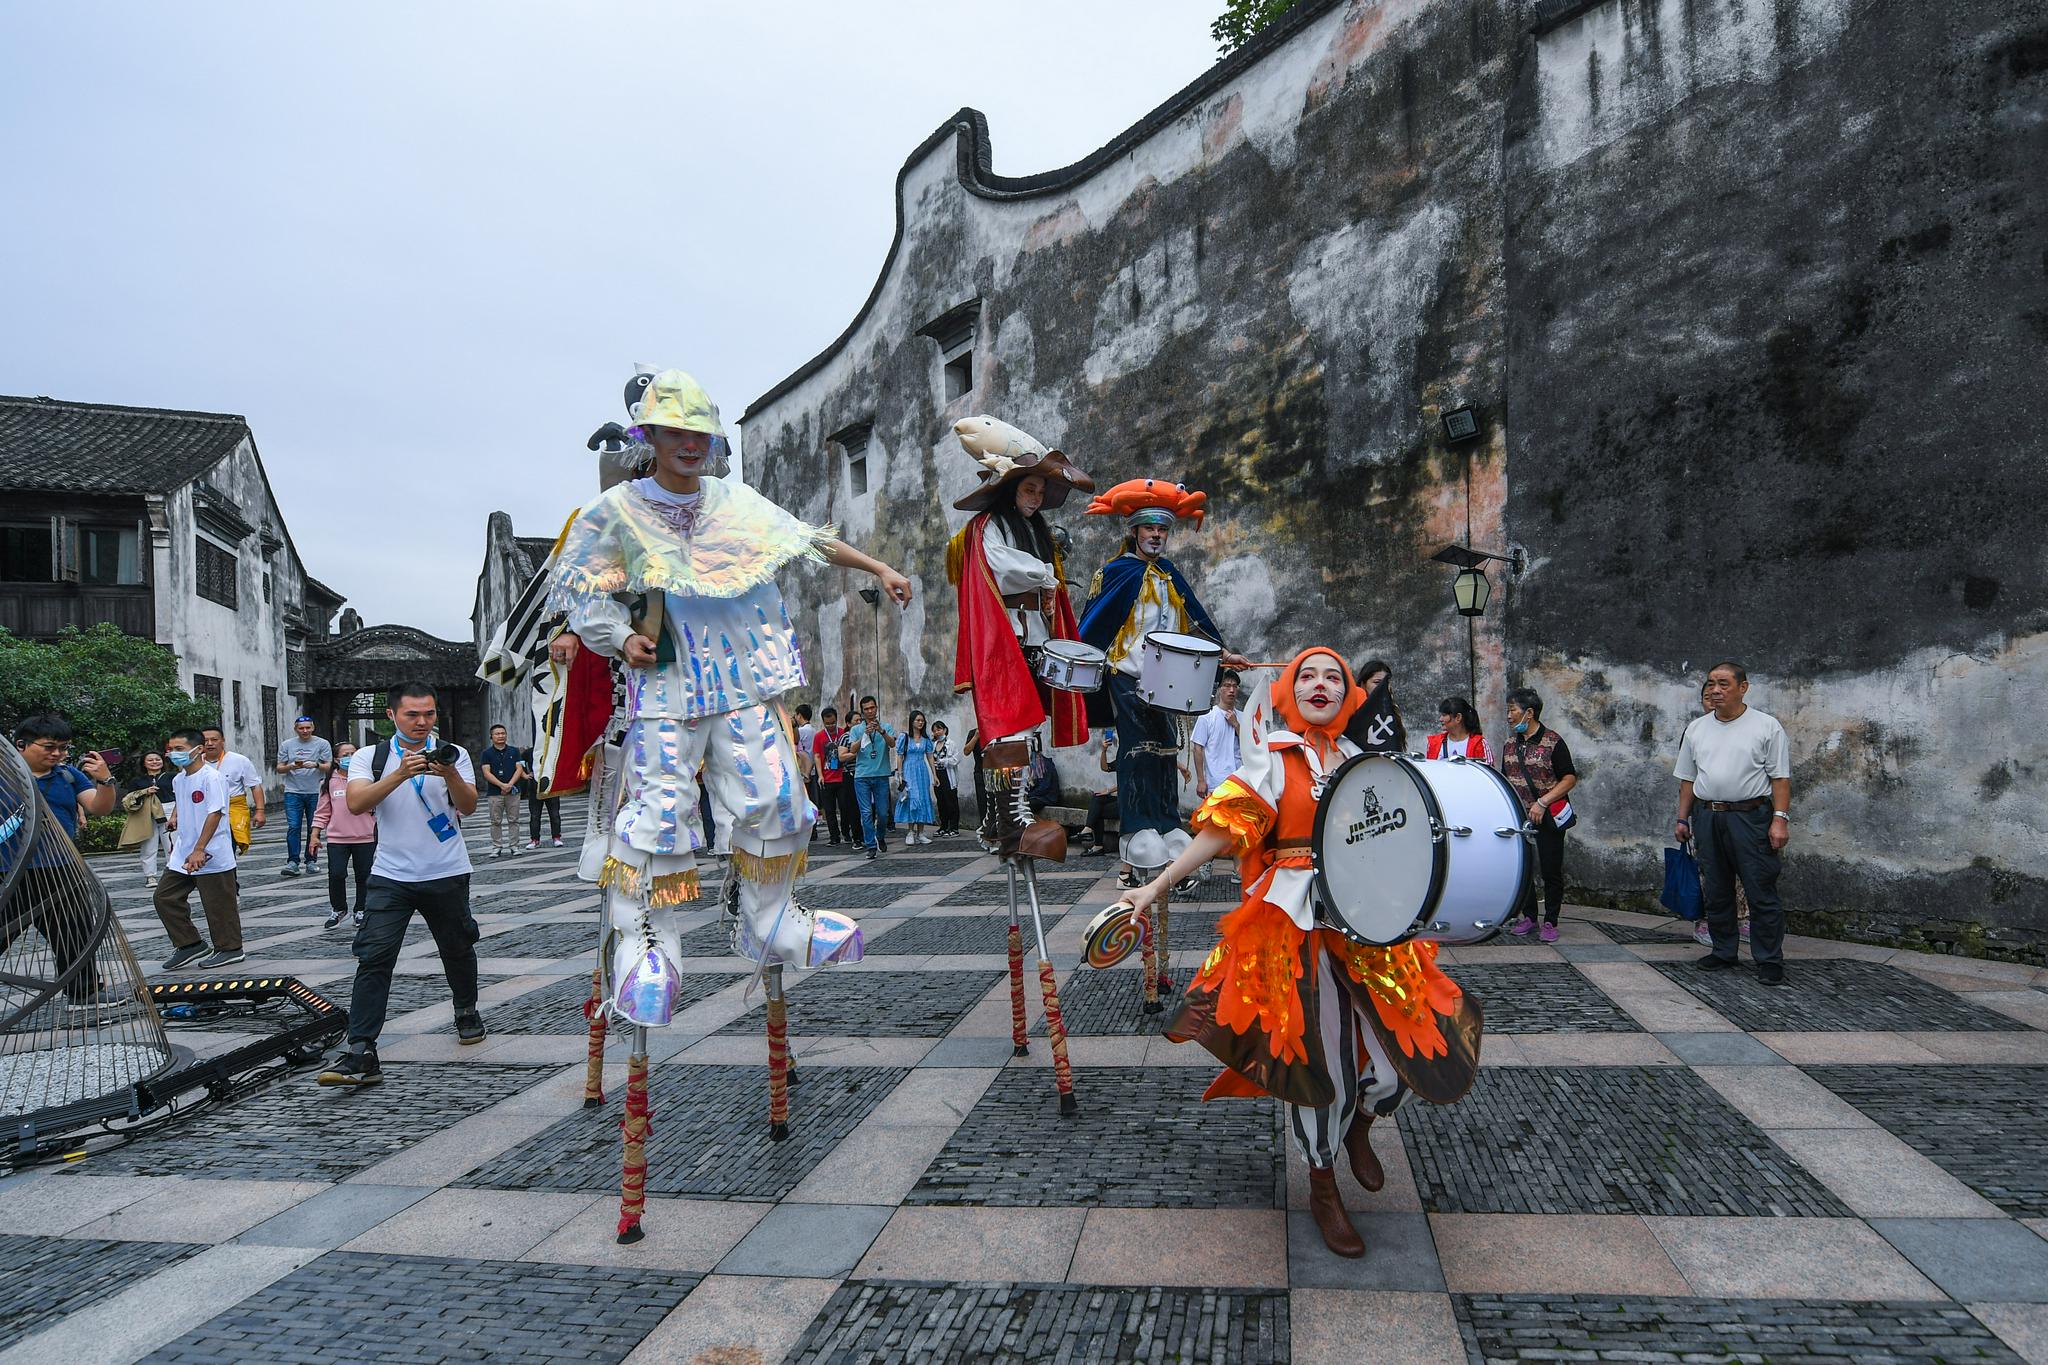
(1117, 592)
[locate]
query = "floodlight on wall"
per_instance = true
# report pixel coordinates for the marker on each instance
(1461, 425)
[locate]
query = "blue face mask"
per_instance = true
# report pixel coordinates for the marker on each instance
(180, 758)
(1521, 727)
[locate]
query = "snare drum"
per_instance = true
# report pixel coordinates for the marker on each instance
(1410, 848)
(1178, 672)
(1070, 666)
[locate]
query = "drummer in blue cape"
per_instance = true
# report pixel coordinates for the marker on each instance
(1293, 999)
(1163, 651)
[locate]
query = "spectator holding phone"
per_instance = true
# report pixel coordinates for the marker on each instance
(351, 839)
(71, 793)
(1538, 764)
(419, 788)
(305, 760)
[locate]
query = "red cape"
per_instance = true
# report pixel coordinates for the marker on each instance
(990, 662)
(579, 715)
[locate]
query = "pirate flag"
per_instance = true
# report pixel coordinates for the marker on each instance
(1377, 727)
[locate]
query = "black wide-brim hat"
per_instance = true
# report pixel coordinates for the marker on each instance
(1060, 474)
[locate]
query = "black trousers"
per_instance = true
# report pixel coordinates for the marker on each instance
(842, 810)
(1550, 868)
(1735, 845)
(444, 904)
(340, 858)
(949, 809)
(1101, 806)
(554, 809)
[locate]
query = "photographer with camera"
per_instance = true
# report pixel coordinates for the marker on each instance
(419, 788)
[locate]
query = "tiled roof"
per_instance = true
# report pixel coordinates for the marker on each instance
(100, 448)
(535, 548)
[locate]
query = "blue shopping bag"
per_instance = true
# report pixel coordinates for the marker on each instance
(1681, 884)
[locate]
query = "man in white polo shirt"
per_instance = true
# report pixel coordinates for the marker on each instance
(1734, 775)
(245, 788)
(419, 788)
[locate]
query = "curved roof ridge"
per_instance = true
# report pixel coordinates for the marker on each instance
(976, 172)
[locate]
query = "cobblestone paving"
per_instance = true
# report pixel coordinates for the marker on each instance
(1143, 1139)
(1528, 1327)
(351, 1306)
(1105, 1004)
(908, 867)
(947, 934)
(874, 1004)
(1616, 1139)
(851, 895)
(932, 1178)
(1677, 931)
(298, 1130)
(710, 1134)
(710, 940)
(336, 942)
(1058, 891)
(558, 1008)
(577, 939)
(1985, 1125)
(47, 1277)
(966, 1324)
(1836, 995)
(408, 992)
(1541, 997)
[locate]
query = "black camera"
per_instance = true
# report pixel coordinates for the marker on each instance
(445, 755)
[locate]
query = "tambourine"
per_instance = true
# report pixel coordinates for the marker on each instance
(1115, 934)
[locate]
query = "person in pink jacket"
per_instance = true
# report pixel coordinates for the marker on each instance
(352, 838)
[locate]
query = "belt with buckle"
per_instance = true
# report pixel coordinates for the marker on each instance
(1751, 804)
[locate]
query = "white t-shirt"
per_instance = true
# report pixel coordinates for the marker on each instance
(804, 735)
(1216, 732)
(198, 793)
(238, 773)
(408, 850)
(1733, 760)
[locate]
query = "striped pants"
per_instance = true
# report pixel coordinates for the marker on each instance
(1319, 1132)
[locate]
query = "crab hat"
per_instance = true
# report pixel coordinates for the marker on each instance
(1150, 502)
(1007, 457)
(674, 399)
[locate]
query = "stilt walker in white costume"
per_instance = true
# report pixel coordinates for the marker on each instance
(674, 574)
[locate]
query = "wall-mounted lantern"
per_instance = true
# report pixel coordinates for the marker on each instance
(1470, 588)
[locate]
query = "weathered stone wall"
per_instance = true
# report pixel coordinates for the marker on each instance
(1777, 354)
(1750, 300)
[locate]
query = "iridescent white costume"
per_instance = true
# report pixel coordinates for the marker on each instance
(696, 573)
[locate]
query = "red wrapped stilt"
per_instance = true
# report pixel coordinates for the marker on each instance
(593, 1061)
(633, 1196)
(1019, 1046)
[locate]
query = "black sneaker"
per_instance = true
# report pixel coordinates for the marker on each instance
(469, 1026)
(1714, 963)
(334, 919)
(185, 957)
(354, 1068)
(224, 958)
(872, 854)
(1771, 973)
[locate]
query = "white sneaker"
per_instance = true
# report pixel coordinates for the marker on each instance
(535, 843)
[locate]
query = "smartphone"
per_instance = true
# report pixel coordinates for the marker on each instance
(110, 757)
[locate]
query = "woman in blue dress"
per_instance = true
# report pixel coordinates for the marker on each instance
(916, 803)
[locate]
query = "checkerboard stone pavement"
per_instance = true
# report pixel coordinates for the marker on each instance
(1655, 1165)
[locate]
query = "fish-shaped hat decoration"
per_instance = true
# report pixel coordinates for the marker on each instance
(1008, 456)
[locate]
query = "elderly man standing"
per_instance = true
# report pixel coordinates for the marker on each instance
(1734, 775)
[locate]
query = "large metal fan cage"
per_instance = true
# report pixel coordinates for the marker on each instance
(78, 1029)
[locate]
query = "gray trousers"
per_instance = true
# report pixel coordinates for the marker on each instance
(1735, 845)
(1319, 1133)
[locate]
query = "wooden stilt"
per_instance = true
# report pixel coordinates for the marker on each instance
(1019, 1046)
(778, 1058)
(1162, 908)
(593, 1060)
(633, 1196)
(1055, 1023)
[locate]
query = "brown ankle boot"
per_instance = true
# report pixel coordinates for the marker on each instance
(1326, 1206)
(1365, 1162)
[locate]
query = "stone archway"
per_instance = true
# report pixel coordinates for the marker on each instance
(348, 675)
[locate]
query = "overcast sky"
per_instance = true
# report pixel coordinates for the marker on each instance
(419, 245)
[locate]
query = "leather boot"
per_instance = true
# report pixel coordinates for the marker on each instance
(1365, 1162)
(1326, 1206)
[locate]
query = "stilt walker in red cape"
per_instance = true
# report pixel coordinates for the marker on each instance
(1012, 602)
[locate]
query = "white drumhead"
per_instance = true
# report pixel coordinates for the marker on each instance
(1376, 862)
(1175, 643)
(1076, 651)
(1486, 870)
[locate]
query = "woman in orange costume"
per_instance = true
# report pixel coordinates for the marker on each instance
(1339, 1031)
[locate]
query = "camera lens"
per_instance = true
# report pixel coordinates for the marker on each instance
(444, 755)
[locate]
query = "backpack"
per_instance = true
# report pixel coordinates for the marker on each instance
(1045, 782)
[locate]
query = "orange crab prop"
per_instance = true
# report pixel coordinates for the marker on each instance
(1135, 495)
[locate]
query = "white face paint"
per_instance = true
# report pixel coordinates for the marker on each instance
(1319, 688)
